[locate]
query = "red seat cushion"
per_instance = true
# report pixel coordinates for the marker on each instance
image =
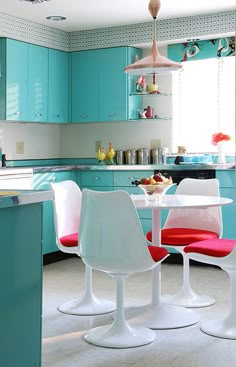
(70, 240)
(218, 248)
(157, 253)
(182, 236)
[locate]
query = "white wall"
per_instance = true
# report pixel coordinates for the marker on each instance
(40, 140)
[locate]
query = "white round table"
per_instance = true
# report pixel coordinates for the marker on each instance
(158, 315)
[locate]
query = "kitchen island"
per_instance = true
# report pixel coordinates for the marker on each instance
(21, 276)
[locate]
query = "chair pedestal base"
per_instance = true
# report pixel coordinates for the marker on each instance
(87, 307)
(188, 299)
(108, 336)
(225, 328)
(161, 316)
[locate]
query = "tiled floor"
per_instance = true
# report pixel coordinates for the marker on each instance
(63, 343)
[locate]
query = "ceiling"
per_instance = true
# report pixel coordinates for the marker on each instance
(92, 14)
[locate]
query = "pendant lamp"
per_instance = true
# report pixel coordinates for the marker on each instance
(155, 63)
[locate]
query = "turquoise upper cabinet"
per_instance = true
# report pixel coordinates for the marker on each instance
(84, 84)
(113, 83)
(58, 98)
(101, 91)
(14, 80)
(38, 83)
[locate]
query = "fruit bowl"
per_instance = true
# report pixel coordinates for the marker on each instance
(154, 192)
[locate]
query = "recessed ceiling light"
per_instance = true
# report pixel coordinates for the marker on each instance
(56, 17)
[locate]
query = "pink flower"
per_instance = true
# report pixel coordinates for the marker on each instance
(217, 137)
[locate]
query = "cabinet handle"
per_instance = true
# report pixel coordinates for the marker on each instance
(56, 115)
(112, 114)
(133, 178)
(97, 178)
(38, 114)
(52, 179)
(18, 113)
(83, 116)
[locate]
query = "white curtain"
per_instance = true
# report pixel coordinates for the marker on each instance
(204, 103)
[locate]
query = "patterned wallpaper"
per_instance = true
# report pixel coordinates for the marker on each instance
(167, 30)
(198, 50)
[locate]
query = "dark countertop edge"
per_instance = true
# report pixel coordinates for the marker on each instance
(24, 197)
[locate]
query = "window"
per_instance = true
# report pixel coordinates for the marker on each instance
(204, 103)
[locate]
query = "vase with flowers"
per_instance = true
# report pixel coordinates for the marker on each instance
(219, 140)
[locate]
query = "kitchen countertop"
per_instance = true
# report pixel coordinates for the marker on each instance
(135, 167)
(9, 198)
(115, 167)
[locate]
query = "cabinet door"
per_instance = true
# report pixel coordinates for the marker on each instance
(41, 182)
(84, 86)
(38, 83)
(17, 63)
(58, 86)
(113, 84)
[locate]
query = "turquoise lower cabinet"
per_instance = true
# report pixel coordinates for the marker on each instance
(228, 189)
(97, 180)
(41, 181)
(77, 177)
(21, 285)
(229, 213)
(125, 178)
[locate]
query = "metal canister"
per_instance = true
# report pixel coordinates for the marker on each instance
(131, 156)
(155, 155)
(120, 157)
(144, 156)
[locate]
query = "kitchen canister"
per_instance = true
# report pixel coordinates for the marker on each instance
(120, 157)
(155, 155)
(144, 156)
(131, 156)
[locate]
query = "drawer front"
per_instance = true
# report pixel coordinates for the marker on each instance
(96, 179)
(41, 181)
(126, 178)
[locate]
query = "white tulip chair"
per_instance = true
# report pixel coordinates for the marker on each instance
(220, 252)
(67, 210)
(112, 240)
